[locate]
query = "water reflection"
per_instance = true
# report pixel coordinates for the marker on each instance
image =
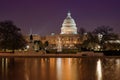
(4, 68)
(99, 70)
(118, 68)
(59, 69)
(87, 69)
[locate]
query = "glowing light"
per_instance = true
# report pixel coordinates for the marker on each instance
(59, 62)
(59, 68)
(69, 61)
(99, 70)
(27, 46)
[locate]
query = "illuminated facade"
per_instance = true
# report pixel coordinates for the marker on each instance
(68, 36)
(69, 25)
(67, 41)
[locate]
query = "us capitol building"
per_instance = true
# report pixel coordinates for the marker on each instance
(67, 39)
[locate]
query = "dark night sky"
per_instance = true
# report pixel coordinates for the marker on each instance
(46, 16)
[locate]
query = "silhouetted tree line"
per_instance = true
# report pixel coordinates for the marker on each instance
(11, 37)
(93, 40)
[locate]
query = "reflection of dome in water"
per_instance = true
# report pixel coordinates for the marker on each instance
(69, 25)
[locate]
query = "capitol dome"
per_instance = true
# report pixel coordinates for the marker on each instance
(69, 25)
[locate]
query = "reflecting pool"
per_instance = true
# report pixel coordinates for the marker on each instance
(59, 68)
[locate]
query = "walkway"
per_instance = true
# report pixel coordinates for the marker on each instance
(48, 55)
